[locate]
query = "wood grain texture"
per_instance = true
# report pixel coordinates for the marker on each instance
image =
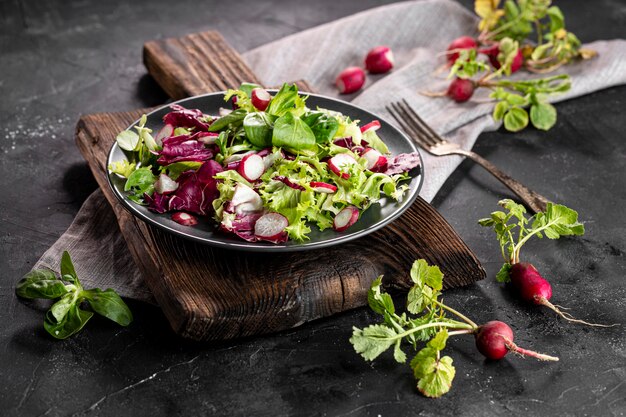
(211, 294)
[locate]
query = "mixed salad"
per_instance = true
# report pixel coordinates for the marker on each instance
(268, 170)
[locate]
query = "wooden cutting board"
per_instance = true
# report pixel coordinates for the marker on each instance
(209, 293)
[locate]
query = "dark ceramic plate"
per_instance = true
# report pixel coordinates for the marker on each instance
(206, 232)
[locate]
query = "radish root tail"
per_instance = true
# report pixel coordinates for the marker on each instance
(524, 352)
(567, 316)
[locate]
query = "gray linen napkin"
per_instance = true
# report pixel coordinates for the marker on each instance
(417, 32)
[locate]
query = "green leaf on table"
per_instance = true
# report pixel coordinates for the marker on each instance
(558, 221)
(398, 353)
(72, 322)
(40, 283)
(434, 374)
(543, 115)
(67, 268)
(59, 309)
(515, 119)
(109, 304)
(372, 340)
(504, 275)
(500, 109)
(424, 274)
(379, 302)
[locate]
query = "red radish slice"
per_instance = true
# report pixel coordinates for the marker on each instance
(373, 125)
(271, 227)
(350, 80)
(375, 160)
(237, 157)
(246, 200)
(233, 102)
(185, 219)
(165, 132)
(251, 167)
(379, 60)
(341, 162)
(165, 185)
(260, 98)
(323, 187)
(345, 218)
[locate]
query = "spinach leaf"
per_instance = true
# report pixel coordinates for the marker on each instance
(140, 182)
(287, 99)
(258, 127)
(232, 119)
(109, 304)
(70, 324)
(292, 133)
(41, 283)
(322, 125)
(67, 268)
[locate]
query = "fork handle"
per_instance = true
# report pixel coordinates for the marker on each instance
(534, 201)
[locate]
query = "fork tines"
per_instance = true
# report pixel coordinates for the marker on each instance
(413, 124)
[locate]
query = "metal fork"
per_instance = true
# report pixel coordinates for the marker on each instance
(428, 139)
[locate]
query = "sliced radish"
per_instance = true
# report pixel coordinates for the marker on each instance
(260, 98)
(375, 160)
(224, 112)
(340, 163)
(379, 60)
(373, 125)
(165, 132)
(323, 187)
(246, 200)
(350, 80)
(270, 159)
(185, 219)
(165, 185)
(208, 138)
(251, 167)
(345, 218)
(288, 182)
(271, 227)
(233, 165)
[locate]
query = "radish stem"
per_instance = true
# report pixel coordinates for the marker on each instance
(524, 352)
(453, 311)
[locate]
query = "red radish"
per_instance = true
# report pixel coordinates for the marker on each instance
(375, 160)
(323, 187)
(271, 227)
(260, 98)
(350, 80)
(493, 51)
(459, 44)
(237, 157)
(289, 183)
(165, 185)
(233, 102)
(345, 218)
(185, 219)
(246, 200)
(379, 60)
(373, 125)
(532, 287)
(494, 340)
(460, 90)
(251, 167)
(165, 132)
(340, 163)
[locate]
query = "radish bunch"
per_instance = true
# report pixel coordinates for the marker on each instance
(524, 278)
(379, 60)
(434, 372)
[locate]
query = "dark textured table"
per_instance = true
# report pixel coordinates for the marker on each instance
(61, 59)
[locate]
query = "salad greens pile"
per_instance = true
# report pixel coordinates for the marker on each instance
(66, 317)
(275, 156)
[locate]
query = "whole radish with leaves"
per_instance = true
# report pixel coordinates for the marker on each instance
(524, 278)
(432, 324)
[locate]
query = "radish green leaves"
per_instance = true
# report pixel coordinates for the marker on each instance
(555, 222)
(66, 317)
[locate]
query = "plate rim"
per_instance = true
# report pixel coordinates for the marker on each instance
(268, 247)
